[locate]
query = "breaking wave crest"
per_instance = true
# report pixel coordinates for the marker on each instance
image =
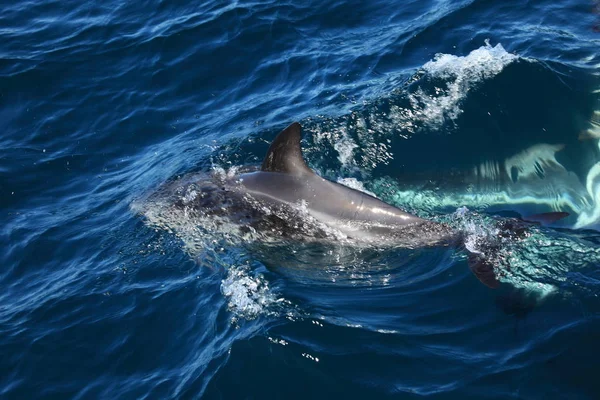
(453, 77)
(430, 100)
(249, 296)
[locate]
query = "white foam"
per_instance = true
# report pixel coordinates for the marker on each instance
(247, 296)
(345, 148)
(189, 196)
(462, 73)
(354, 184)
(222, 173)
(516, 261)
(342, 143)
(476, 230)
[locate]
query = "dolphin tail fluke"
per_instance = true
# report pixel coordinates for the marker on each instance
(482, 267)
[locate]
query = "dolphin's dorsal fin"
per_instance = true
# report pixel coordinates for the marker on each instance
(285, 154)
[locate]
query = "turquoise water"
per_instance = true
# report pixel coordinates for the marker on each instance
(465, 112)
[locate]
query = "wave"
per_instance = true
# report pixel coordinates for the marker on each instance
(457, 77)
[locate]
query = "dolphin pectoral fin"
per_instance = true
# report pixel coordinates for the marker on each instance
(546, 218)
(285, 153)
(483, 270)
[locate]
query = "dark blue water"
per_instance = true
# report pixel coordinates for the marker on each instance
(432, 106)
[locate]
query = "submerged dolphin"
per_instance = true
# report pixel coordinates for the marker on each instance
(286, 198)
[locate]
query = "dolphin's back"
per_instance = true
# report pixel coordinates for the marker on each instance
(347, 209)
(285, 183)
(285, 179)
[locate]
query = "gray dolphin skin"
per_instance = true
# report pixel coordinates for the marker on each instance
(286, 180)
(287, 199)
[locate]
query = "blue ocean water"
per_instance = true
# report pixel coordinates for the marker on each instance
(466, 112)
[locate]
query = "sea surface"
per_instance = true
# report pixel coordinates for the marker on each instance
(466, 112)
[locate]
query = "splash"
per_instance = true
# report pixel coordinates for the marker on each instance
(355, 184)
(248, 296)
(362, 138)
(461, 74)
(529, 258)
(345, 148)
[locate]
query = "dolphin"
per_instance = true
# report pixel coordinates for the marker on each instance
(286, 198)
(285, 180)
